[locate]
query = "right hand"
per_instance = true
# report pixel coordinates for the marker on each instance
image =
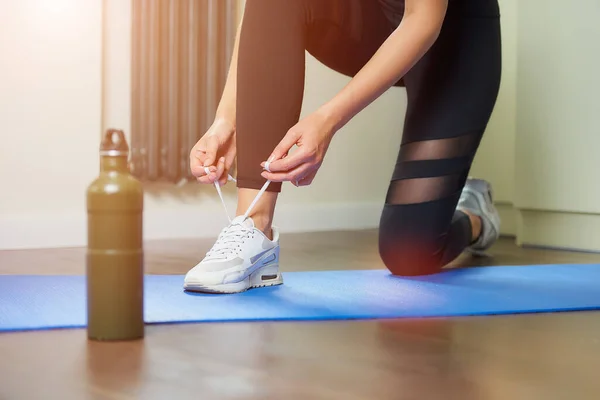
(215, 150)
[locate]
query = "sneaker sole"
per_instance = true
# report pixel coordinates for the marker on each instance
(265, 276)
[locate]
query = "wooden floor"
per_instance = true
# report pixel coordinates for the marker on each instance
(544, 356)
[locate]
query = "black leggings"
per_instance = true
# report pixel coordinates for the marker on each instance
(451, 93)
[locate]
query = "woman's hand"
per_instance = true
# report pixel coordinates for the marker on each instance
(418, 30)
(312, 135)
(215, 150)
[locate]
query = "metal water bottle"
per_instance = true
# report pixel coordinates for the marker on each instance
(115, 255)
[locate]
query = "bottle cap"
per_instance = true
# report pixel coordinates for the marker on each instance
(114, 144)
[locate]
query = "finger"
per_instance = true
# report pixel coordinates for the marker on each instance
(204, 180)
(223, 180)
(199, 171)
(264, 163)
(220, 169)
(196, 160)
(285, 145)
(229, 159)
(306, 180)
(291, 162)
(291, 176)
(211, 173)
(212, 146)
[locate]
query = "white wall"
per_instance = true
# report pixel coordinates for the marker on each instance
(59, 93)
(65, 77)
(50, 116)
(558, 123)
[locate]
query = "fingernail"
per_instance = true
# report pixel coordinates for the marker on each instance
(222, 159)
(266, 167)
(271, 159)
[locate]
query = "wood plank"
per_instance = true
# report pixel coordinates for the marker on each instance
(549, 356)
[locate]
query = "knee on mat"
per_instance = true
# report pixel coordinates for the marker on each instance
(406, 255)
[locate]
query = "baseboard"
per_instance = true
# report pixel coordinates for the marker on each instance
(508, 218)
(559, 230)
(70, 229)
(27, 231)
(550, 229)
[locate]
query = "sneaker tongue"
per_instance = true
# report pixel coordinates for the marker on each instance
(239, 220)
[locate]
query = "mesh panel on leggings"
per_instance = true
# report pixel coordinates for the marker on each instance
(432, 169)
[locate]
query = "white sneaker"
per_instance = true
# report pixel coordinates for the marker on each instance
(242, 257)
(477, 198)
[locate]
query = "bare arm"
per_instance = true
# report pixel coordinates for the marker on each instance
(416, 33)
(216, 148)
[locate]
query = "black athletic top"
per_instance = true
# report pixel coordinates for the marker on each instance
(393, 9)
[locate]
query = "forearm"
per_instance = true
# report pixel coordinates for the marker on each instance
(404, 47)
(226, 109)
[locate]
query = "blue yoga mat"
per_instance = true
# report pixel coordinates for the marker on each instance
(46, 302)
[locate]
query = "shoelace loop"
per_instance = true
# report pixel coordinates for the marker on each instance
(233, 235)
(230, 178)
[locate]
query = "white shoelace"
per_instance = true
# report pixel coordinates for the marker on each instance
(231, 178)
(233, 236)
(229, 241)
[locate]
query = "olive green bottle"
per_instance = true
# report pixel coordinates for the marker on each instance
(115, 255)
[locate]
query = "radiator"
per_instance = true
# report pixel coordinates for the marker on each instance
(180, 57)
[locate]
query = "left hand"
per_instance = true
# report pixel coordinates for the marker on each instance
(312, 135)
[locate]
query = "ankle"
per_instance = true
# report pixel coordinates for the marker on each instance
(264, 223)
(475, 225)
(262, 212)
